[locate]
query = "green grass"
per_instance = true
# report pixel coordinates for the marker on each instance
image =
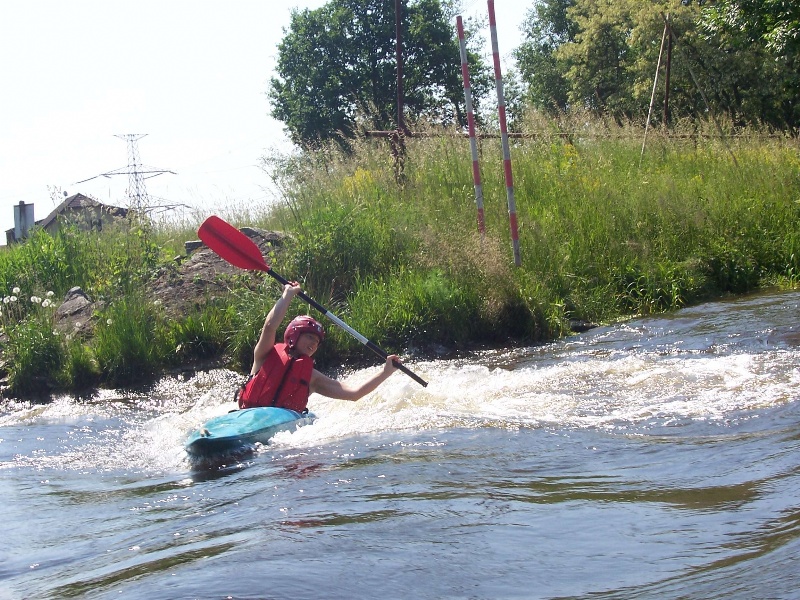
(31, 345)
(605, 233)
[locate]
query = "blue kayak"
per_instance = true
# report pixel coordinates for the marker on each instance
(240, 428)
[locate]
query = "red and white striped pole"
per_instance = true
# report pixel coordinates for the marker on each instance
(501, 107)
(476, 171)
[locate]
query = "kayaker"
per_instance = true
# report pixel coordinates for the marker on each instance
(283, 374)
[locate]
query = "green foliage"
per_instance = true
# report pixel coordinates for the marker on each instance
(741, 59)
(411, 307)
(773, 23)
(80, 370)
(337, 70)
(32, 348)
(600, 239)
(121, 258)
(248, 311)
(340, 244)
(130, 341)
(201, 335)
(548, 28)
(45, 261)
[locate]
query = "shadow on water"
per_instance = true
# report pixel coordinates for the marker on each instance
(81, 588)
(210, 468)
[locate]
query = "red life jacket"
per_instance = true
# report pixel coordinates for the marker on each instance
(282, 381)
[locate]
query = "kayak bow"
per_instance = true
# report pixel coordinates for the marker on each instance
(241, 428)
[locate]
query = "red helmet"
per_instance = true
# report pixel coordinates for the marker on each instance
(300, 325)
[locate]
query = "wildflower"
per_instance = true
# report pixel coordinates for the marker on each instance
(14, 298)
(50, 294)
(46, 302)
(6, 299)
(109, 322)
(36, 300)
(15, 290)
(156, 302)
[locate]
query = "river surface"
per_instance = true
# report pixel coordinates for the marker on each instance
(658, 458)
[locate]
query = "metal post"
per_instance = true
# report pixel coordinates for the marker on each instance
(398, 139)
(476, 171)
(501, 107)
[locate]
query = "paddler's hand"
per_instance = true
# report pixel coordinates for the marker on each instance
(390, 367)
(291, 289)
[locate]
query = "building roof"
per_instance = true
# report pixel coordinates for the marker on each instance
(78, 201)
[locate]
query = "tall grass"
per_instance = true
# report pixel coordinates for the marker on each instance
(602, 237)
(606, 232)
(31, 344)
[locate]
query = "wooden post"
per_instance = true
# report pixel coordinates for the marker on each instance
(653, 94)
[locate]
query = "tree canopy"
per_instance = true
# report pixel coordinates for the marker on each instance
(337, 69)
(773, 23)
(743, 56)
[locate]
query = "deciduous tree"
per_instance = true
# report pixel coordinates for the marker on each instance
(336, 71)
(601, 55)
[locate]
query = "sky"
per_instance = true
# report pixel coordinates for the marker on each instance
(190, 76)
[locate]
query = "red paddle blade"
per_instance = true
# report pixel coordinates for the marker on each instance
(231, 244)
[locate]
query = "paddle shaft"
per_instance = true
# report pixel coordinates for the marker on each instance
(376, 349)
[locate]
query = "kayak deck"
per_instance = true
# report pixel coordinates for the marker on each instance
(240, 428)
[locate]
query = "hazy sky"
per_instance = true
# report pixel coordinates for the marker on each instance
(191, 74)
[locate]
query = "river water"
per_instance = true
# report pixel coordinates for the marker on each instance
(652, 459)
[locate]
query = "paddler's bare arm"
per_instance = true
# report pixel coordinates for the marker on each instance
(321, 384)
(267, 338)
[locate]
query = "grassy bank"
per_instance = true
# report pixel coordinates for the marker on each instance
(605, 233)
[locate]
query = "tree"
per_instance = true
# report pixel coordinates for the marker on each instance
(775, 24)
(337, 69)
(601, 55)
(599, 59)
(769, 32)
(548, 28)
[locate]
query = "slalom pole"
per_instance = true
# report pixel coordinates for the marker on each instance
(476, 171)
(501, 108)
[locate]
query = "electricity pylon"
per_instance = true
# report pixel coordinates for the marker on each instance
(138, 199)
